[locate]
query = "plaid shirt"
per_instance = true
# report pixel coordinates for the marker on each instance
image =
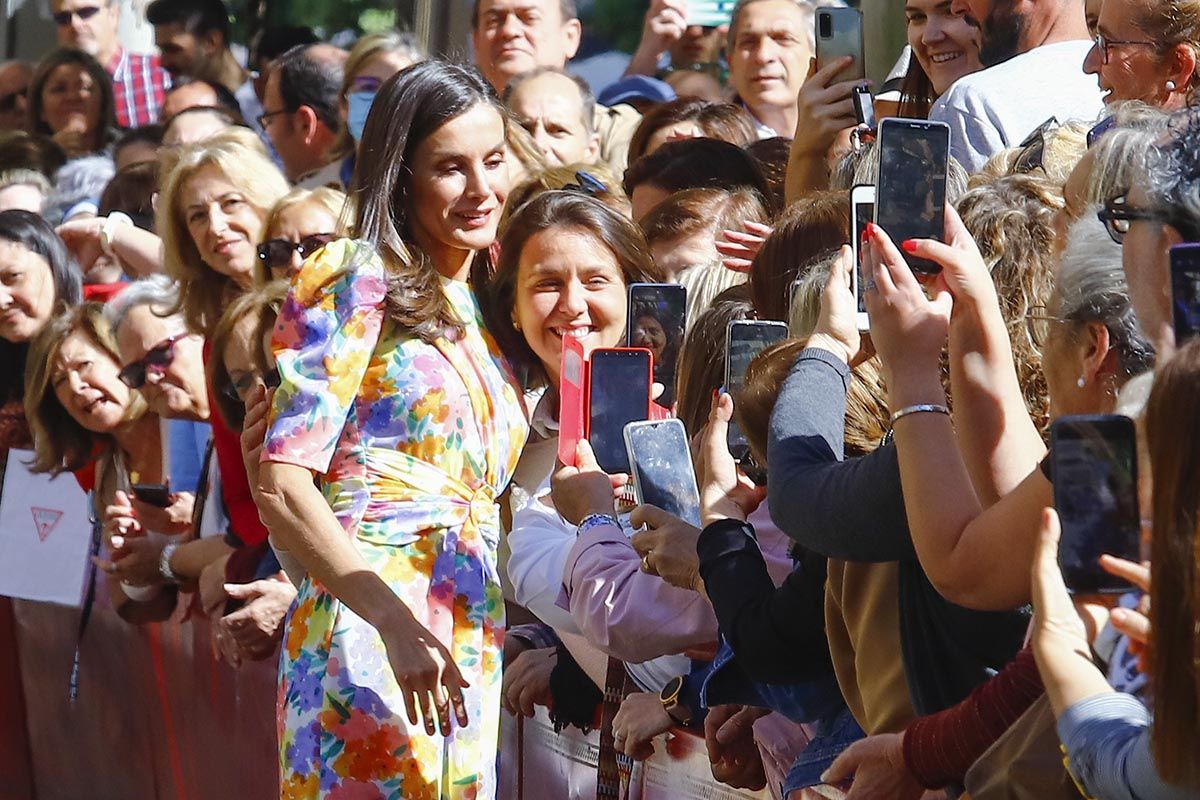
(139, 86)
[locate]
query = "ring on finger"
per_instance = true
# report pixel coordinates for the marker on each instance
(646, 564)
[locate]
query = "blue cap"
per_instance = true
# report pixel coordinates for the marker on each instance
(636, 87)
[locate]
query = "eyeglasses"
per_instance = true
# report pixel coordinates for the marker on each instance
(1103, 43)
(1033, 147)
(238, 389)
(277, 253)
(264, 118)
(1100, 128)
(1037, 322)
(63, 18)
(8, 102)
(1117, 216)
(365, 83)
(157, 358)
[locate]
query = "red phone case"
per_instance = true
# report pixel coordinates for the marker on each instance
(587, 412)
(571, 399)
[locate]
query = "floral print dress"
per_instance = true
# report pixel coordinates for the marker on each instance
(411, 443)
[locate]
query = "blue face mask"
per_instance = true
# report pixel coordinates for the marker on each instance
(360, 106)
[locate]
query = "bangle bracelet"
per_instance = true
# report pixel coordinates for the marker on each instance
(920, 408)
(594, 520)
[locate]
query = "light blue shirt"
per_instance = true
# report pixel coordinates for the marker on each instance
(188, 443)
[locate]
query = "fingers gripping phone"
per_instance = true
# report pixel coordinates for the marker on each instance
(862, 210)
(910, 193)
(1094, 466)
(840, 33)
(1185, 290)
(660, 465)
(618, 392)
(657, 318)
(745, 339)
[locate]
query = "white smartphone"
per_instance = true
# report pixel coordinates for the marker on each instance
(862, 211)
(660, 464)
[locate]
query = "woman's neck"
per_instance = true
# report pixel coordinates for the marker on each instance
(452, 263)
(141, 443)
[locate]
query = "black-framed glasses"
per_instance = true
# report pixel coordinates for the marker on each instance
(277, 253)
(157, 358)
(1033, 147)
(1103, 43)
(1117, 216)
(1037, 323)
(238, 389)
(63, 18)
(265, 117)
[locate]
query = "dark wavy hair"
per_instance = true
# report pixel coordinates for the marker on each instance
(409, 107)
(107, 124)
(497, 292)
(37, 235)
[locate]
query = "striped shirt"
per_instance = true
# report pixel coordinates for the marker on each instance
(139, 87)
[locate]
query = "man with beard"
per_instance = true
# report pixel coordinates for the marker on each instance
(1033, 51)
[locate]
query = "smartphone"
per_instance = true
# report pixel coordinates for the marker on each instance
(709, 13)
(657, 317)
(154, 494)
(840, 33)
(862, 211)
(660, 463)
(910, 193)
(1185, 290)
(618, 392)
(1094, 466)
(864, 107)
(745, 339)
(570, 399)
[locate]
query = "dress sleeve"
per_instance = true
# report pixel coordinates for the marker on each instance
(323, 341)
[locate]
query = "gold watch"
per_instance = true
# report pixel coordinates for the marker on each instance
(677, 711)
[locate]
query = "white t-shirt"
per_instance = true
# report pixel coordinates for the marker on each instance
(996, 108)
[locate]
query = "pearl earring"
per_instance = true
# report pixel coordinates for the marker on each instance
(1082, 382)
(1170, 86)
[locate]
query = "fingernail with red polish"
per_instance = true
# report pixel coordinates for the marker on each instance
(909, 245)
(870, 229)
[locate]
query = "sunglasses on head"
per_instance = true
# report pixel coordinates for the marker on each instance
(63, 18)
(277, 253)
(158, 358)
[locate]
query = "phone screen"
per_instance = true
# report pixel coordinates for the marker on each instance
(618, 393)
(863, 212)
(910, 195)
(709, 13)
(743, 341)
(864, 107)
(1185, 291)
(1095, 492)
(657, 318)
(662, 468)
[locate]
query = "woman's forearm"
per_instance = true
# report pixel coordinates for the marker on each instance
(298, 515)
(139, 250)
(190, 558)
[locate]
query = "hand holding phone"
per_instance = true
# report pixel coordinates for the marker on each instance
(661, 467)
(862, 210)
(840, 34)
(910, 194)
(154, 494)
(618, 392)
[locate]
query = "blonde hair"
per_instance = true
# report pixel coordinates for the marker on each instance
(553, 178)
(60, 443)
(328, 198)
(1063, 147)
(366, 48)
(240, 155)
(263, 301)
(703, 283)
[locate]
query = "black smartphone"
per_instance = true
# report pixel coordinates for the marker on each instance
(661, 467)
(1185, 290)
(154, 494)
(618, 392)
(657, 319)
(1094, 466)
(864, 107)
(910, 193)
(839, 34)
(745, 339)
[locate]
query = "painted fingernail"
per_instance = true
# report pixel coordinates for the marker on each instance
(909, 245)
(870, 229)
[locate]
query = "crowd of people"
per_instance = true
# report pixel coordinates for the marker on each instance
(298, 327)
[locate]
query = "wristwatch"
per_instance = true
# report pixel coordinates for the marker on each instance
(111, 222)
(677, 711)
(164, 563)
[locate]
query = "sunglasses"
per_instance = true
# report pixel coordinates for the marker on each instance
(587, 184)
(238, 389)
(157, 358)
(63, 18)
(277, 253)
(1033, 148)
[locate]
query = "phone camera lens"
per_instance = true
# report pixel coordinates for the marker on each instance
(824, 25)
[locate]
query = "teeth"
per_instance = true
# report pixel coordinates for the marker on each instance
(575, 333)
(942, 58)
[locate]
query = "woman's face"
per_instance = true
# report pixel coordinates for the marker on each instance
(239, 358)
(374, 71)
(86, 381)
(176, 390)
(1135, 70)
(648, 332)
(568, 284)
(224, 225)
(459, 183)
(70, 98)
(945, 44)
(26, 292)
(293, 224)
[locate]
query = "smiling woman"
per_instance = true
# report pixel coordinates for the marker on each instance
(945, 46)
(71, 101)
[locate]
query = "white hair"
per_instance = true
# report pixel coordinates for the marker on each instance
(158, 292)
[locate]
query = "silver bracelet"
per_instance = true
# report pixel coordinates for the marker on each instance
(595, 520)
(164, 563)
(919, 408)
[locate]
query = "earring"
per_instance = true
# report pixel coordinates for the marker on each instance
(1170, 86)
(1082, 382)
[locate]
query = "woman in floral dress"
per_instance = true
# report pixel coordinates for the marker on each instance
(396, 399)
